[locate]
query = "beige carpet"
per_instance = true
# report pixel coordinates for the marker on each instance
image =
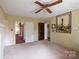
(39, 50)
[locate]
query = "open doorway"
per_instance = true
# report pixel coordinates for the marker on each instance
(43, 31)
(19, 30)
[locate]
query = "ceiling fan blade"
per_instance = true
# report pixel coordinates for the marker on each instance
(49, 10)
(54, 3)
(37, 2)
(38, 11)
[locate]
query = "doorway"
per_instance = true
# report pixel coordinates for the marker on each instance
(43, 31)
(19, 30)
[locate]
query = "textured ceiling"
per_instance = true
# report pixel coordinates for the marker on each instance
(28, 7)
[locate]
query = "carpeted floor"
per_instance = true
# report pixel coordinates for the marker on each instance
(39, 50)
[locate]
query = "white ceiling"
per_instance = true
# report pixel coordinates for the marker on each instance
(28, 7)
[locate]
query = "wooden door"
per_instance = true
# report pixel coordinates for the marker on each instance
(41, 31)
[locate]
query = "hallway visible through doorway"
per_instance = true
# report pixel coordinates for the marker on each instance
(19, 29)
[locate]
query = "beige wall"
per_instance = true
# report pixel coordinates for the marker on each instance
(2, 17)
(67, 40)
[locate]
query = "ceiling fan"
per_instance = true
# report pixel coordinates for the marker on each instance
(45, 6)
